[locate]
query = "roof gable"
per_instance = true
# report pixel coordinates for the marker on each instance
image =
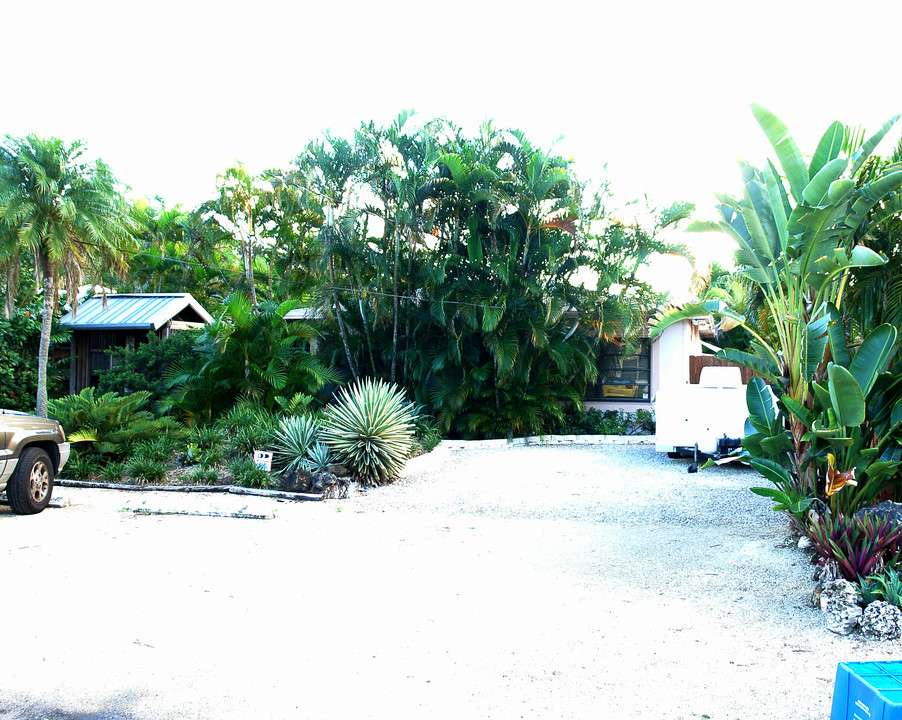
(138, 311)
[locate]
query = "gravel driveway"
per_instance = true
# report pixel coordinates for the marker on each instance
(510, 582)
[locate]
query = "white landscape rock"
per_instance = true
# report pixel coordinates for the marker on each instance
(841, 605)
(881, 621)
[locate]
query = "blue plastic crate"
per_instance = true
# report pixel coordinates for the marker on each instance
(868, 691)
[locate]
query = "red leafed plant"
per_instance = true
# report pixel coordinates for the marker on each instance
(856, 545)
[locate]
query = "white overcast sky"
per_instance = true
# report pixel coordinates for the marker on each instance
(171, 93)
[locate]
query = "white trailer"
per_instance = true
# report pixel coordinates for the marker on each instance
(704, 420)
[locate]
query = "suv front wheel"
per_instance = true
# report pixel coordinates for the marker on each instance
(31, 485)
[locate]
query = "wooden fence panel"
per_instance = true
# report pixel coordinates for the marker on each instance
(697, 362)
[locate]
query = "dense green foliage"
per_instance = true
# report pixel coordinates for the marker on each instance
(478, 273)
(818, 252)
(799, 239)
(143, 369)
(20, 338)
(459, 277)
(250, 356)
(67, 214)
(607, 422)
(109, 425)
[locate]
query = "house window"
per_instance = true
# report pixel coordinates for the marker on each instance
(623, 378)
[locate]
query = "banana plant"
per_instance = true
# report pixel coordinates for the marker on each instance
(853, 440)
(796, 240)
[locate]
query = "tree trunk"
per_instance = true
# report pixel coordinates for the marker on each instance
(407, 303)
(12, 282)
(49, 280)
(394, 341)
(249, 263)
(336, 308)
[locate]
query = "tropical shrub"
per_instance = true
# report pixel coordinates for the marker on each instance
(251, 357)
(370, 429)
(207, 437)
(160, 449)
(885, 586)
(606, 422)
(247, 428)
(146, 470)
(202, 476)
(109, 425)
(113, 472)
(468, 298)
(82, 466)
(142, 368)
(853, 448)
(246, 474)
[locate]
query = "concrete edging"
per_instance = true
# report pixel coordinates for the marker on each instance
(230, 489)
(552, 440)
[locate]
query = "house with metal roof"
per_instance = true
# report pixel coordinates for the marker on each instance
(125, 320)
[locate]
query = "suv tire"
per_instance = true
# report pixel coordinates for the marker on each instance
(31, 485)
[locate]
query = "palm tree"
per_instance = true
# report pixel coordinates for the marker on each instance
(325, 172)
(238, 211)
(68, 213)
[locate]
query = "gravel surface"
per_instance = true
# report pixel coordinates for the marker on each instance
(506, 582)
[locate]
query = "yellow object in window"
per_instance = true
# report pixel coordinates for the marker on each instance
(621, 391)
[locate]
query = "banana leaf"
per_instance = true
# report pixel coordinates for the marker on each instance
(828, 148)
(786, 149)
(868, 146)
(773, 471)
(815, 345)
(873, 356)
(817, 190)
(846, 396)
(761, 403)
(838, 348)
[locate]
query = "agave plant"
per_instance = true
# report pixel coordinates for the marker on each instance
(293, 439)
(370, 429)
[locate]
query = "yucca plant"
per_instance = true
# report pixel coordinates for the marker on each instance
(370, 429)
(293, 439)
(858, 546)
(319, 458)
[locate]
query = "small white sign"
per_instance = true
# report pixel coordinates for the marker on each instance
(263, 459)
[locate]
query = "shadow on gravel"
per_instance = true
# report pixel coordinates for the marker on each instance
(25, 710)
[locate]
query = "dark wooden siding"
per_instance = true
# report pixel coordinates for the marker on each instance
(697, 362)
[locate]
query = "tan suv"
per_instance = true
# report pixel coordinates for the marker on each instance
(32, 451)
